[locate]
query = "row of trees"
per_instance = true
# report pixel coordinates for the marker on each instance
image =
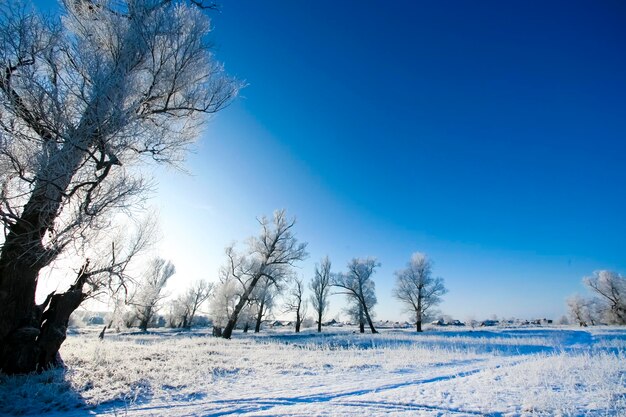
(253, 277)
(252, 280)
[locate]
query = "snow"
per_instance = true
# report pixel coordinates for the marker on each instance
(498, 372)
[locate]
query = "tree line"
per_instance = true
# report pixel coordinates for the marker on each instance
(253, 278)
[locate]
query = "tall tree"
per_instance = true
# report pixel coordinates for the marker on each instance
(359, 286)
(417, 289)
(320, 285)
(150, 291)
(83, 101)
(269, 256)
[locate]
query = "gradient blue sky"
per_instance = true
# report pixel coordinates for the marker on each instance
(490, 135)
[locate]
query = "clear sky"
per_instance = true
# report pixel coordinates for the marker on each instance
(490, 135)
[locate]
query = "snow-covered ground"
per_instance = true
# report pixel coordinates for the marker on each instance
(497, 372)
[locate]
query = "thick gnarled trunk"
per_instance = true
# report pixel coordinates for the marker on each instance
(19, 319)
(33, 342)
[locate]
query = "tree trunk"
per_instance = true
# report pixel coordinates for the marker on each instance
(19, 321)
(369, 319)
(246, 326)
(319, 321)
(54, 328)
(298, 321)
(34, 344)
(232, 321)
(143, 323)
(418, 325)
(259, 318)
(361, 319)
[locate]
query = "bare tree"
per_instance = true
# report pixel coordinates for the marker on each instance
(187, 304)
(295, 302)
(150, 290)
(358, 285)
(610, 287)
(269, 256)
(83, 101)
(320, 285)
(417, 289)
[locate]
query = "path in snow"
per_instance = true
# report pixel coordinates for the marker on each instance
(342, 398)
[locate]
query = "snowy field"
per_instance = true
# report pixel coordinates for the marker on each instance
(496, 372)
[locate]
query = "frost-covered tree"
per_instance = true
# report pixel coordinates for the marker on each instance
(359, 286)
(222, 304)
(269, 256)
(84, 101)
(320, 286)
(610, 289)
(608, 304)
(417, 289)
(584, 311)
(186, 305)
(150, 290)
(296, 302)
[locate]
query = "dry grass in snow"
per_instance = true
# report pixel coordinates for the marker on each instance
(501, 372)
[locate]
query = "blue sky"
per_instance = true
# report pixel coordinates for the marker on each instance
(490, 135)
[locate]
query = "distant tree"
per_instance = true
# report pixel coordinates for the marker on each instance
(150, 290)
(187, 304)
(417, 289)
(359, 286)
(584, 311)
(269, 256)
(296, 302)
(610, 288)
(320, 285)
(222, 304)
(84, 101)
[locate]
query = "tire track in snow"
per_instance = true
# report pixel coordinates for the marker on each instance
(217, 408)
